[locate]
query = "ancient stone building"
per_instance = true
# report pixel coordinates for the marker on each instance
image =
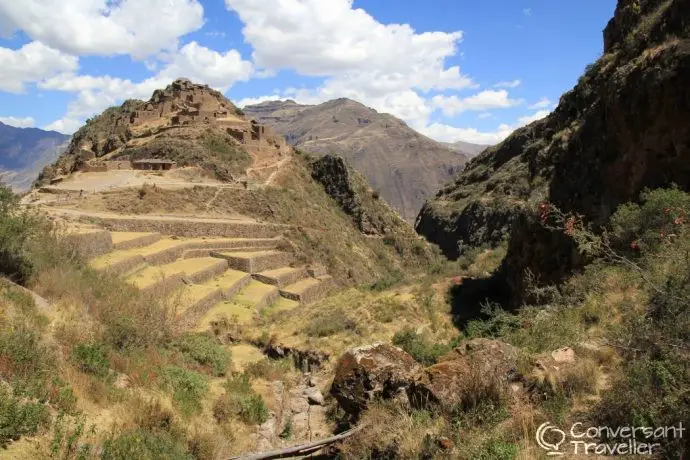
(154, 164)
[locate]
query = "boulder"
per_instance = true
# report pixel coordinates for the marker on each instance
(476, 368)
(375, 371)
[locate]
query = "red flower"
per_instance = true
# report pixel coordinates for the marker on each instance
(570, 226)
(635, 246)
(678, 221)
(666, 210)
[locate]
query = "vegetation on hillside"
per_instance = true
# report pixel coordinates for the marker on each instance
(104, 352)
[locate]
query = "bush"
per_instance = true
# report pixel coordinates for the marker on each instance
(17, 228)
(389, 280)
(188, 388)
(18, 418)
(205, 351)
(330, 323)
(92, 359)
(240, 400)
(420, 347)
(145, 445)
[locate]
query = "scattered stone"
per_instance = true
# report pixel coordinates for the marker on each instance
(122, 382)
(564, 355)
(314, 396)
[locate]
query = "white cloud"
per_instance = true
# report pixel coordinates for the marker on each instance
(25, 122)
(328, 37)
(541, 104)
(31, 63)
(446, 133)
(527, 119)
(385, 66)
(94, 94)
(104, 27)
(508, 84)
(64, 125)
(489, 99)
(258, 100)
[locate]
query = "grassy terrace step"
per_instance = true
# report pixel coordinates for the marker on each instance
(308, 290)
(207, 252)
(257, 295)
(129, 240)
(163, 279)
(190, 303)
(167, 250)
(282, 276)
(255, 261)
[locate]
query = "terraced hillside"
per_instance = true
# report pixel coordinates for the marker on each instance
(206, 279)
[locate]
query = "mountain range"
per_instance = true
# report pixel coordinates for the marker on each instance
(405, 166)
(25, 151)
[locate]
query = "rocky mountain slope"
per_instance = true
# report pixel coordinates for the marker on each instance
(403, 165)
(622, 128)
(25, 151)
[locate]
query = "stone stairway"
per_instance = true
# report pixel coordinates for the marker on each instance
(202, 279)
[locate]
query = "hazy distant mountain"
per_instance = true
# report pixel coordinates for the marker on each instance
(404, 165)
(25, 151)
(465, 147)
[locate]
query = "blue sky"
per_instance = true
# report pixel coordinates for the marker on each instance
(452, 69)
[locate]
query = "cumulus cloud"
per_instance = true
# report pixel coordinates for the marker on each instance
(25, 122)
(527, 119)
(327, 37)
(31, 63)
(489, 99)
(508, 84)
(104, 27)
(541, 104)
(384, 66)
(446, 133)
(94, 94)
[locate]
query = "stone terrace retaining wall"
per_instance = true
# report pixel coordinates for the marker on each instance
(188, 228)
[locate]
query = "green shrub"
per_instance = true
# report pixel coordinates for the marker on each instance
(420, 347)
(92, 359)
(25, 355)
(240, 400)
(662, 212)
(144, 445)
(188, 388)
(330, 323)
(19, 418)
(496, 450)
(205, 351)
(389, 280)
(17, 227)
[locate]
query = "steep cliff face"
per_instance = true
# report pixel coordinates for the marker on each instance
(624, 127)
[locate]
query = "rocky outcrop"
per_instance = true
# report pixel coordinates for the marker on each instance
(332, 172)
(402, 164)
(367, 373)
(621, 129)
(477, 368)
(188, 123)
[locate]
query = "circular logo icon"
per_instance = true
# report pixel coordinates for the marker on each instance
(546, 439)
